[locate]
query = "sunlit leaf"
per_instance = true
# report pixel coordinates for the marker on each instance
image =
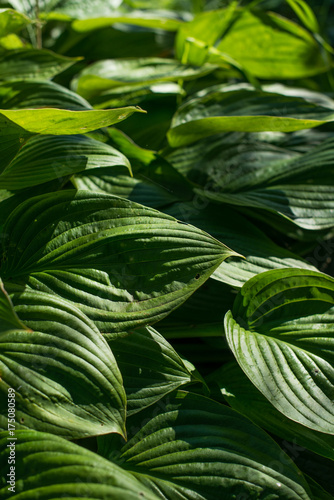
(281, 333)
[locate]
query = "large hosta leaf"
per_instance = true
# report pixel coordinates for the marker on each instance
(244, 397)
(45, 158)
(192, 448)
(107, 74)
(281, 333)
(225, 224)
(243, 109)
(123, 264)
(65, 377)
(150, 367)
(48, 467)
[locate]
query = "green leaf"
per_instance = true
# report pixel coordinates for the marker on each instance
(154, 20)
(108, 74)
(65, 377)
(48, 466)
(37, 94)
(31, 64)
(44, 158)
(150, 367)
(12, 21)
(281, 334)
(265, 44)
(190, 447)
(123, 264)
(62, 121)
(243, 109)
(9, 318)
(244, 397)
(260, 252)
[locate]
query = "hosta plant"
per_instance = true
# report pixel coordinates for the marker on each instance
(166, 250)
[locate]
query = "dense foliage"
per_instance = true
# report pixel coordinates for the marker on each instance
(166, 243)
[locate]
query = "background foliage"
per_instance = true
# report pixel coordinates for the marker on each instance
(167, 163)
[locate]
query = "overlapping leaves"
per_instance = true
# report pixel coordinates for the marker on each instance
(195, 448)
(122, 264)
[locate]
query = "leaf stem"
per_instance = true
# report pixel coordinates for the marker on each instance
(38, 26)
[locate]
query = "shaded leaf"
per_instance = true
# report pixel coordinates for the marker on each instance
(155, 183)
(225, 224)
(254, 173)
(201, 316)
